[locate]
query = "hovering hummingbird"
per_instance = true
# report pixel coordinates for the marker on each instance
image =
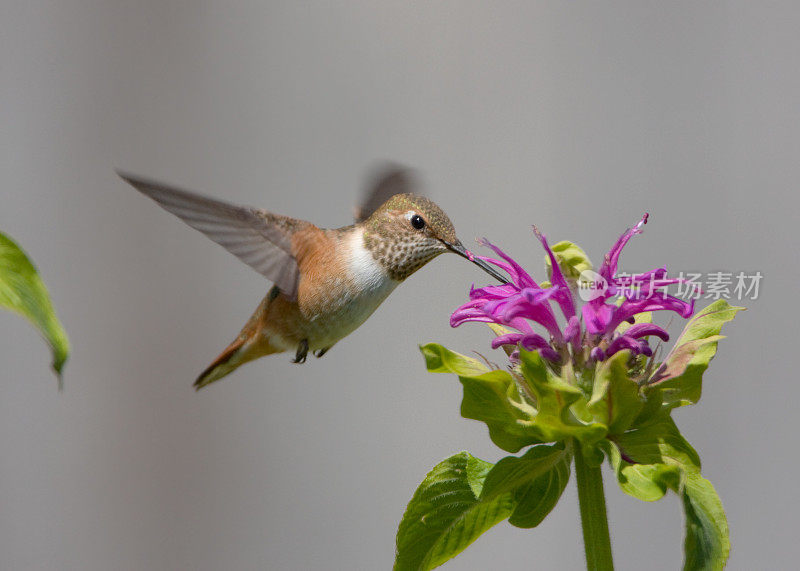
(327, 281)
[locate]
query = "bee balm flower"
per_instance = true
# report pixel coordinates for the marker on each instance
(592, 334)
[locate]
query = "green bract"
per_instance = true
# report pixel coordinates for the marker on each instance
(679, 376)
(571, 258)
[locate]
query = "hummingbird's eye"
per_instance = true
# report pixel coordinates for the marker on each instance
(417, 222)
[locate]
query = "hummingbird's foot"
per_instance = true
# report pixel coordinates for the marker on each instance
(320, 352)
(302, 352)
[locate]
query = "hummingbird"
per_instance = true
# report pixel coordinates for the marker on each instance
(327, 282)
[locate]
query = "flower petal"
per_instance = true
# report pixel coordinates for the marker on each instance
(572, 330)
(644, 348)
(533, 341)
(562, 293)
(507, 339)
(597, 316)
(550, 354)
(518, 275)
(609, 267)
(623, 342)
(540, 313)
(644, 329)
(656, 302)
(460, 316)
(598, 354)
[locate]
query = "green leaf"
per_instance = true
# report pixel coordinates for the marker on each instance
(439, 359)
(647, 482)
(489, 396)
(23, 291)
(615, 398)
(463, 496)
(554, 421)
(652, 408)
(661, 459)
(493, 398)
(679, 378)
(447, 513)
(707, 544)
(537, 480)
(571, 259)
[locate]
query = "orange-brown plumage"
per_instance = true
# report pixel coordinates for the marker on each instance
(322, 268)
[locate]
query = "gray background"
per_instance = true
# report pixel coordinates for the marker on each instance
(574, 116)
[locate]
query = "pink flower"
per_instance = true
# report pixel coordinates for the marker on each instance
(593, 332)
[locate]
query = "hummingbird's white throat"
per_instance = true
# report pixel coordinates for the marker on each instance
(367, 273)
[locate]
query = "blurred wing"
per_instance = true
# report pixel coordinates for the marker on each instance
(260, 239)
(390, 180)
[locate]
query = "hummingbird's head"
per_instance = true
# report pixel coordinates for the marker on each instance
(408, 231)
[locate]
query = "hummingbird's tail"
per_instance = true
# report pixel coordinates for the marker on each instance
(226, 363)
(250, 344)
(241, 351)
(234, 356)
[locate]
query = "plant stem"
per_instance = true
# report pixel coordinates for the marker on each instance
(592, 500)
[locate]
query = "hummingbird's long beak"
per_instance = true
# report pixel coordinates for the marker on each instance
(458, 248)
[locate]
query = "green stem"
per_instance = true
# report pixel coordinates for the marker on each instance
(592, 500)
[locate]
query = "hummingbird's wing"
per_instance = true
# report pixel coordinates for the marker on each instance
(260, 239)
(387, 182)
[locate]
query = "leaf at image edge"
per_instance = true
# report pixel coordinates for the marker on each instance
(24, 292)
